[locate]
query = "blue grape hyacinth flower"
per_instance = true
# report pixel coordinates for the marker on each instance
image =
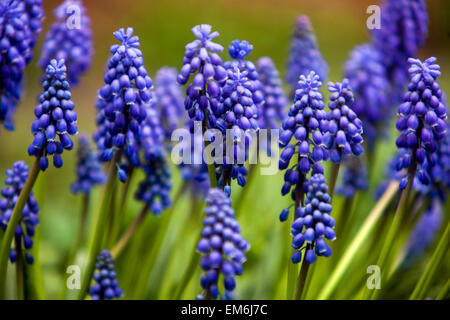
(14, 183)
(222, 247)
(304, 55)
(89, 170)
(201, 60)
(122, 101)
(314, 223)
(56, 119)
(355, 178)
(19, 24)
(73, 43)
(106, 286)
(422, 119)
(344, 128)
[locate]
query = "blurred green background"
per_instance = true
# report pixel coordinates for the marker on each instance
(164, 27)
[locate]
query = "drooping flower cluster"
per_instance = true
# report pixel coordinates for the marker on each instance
(168, 100)
(69, 38)
(15, 180)
(314, 223)
(56, 119)
(403, 32)
(122, 101)
(106, 286)
(422, 119)
(304, 55)
(344, 128)
(272, 112)
(20, 24)
(201, 59)
(355, 178)
(221, 245)
(239, 116)
(306, 122)
(89, 170)
(367, 76)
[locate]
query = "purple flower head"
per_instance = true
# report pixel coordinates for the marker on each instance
(221, 246)
(202, 61)
(421, 118)
(239, 49)
(123, 100)
(19, 28)
(367, 76)
(106, 286)
(272, 112)
(304, 55)
(14, 183)
(56, 119)
(89, 170)
(169, 99)
(355, 177)
(344, 128)
(314, 223)
(73, 43)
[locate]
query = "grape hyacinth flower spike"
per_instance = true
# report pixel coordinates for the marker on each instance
(15, 180)
(122, 101)
(89, 171)
(55, 117)
(106, 286)
(304, 55)
(201, 60)
(70, 42)
(222, 247)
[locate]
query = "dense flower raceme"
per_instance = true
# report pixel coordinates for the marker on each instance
(344, 128)
(123, 100)
(202, 61)
(355, 177)
(304, 55)
(106, 286)
(70, 42)
(272, 112)
(240, 116)
(221, 245)
(307, 123)
(88, 169)
(15, 180)
(422, 117)
(55, 117)
(20, 23)
(313, 223)
(368, 80)
(403, 31)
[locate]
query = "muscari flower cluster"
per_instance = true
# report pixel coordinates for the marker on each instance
(313, 223)
(122, 101)
(15, 180)
(106, 286)
(55, 117)
(67, 41)
(202, 61)
(221, 245)
(403, 32)
(168, 100)
(367, 76)
(89, 170)
(422, 119)
(272, 112)
(307, 123)
(344, 128)
(20, 24)
(355, 178)
(304, 55)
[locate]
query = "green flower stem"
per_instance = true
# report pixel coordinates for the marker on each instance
(428, 275)
(187, 275)
(333, 178)
(19, 271)
(357, 242)
(302, 279)
(98, 232)
(13, 222)
(244, 192)
(443, 294)
(121, 244)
